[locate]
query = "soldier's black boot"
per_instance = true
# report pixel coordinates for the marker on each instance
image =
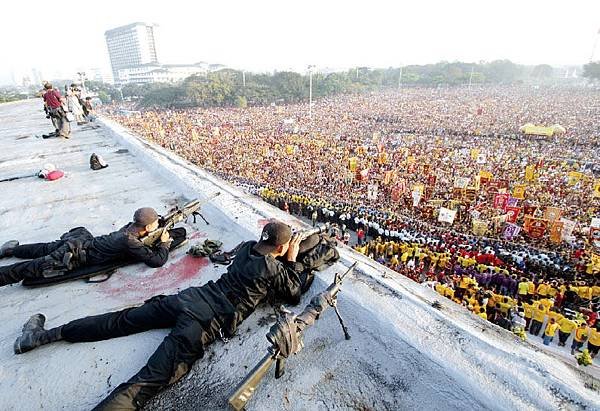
(7, 248)
(35, 335)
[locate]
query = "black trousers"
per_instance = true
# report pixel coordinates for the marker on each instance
(535, 327)
(39, 256)
(172, 359)
(563, 337)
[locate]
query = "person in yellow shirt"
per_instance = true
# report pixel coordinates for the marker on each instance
(581, 334)
(523, 287)
(550, 331)
(528, 311)
(593, 344)
(539, 314)
(394, 262)
(552, 313)
(531, 290)
(566, 327)
(482, 313)
(542, 290)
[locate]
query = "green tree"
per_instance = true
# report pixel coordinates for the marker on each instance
(592, 70)
(542, 71)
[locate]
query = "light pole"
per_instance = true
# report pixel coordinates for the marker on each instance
(244, 78)
(471, 76)
(594, 47)
(400, 79)
(310, 91)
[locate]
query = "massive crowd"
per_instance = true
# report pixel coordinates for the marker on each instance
(439, 184)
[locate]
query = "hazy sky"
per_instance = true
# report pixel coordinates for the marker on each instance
(65, 36)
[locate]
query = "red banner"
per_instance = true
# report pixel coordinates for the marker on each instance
(512, 213)
(500, 201)
(431, 180)
(529, 210)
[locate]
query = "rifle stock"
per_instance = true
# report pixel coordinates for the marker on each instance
(246, 388)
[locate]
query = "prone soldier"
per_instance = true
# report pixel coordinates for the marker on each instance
(78, 248)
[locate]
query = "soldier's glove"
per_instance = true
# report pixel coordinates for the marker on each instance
(284, 335)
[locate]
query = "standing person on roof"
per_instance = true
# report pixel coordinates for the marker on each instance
(53, 102)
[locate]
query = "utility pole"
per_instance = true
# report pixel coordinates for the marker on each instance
(471, 76)
(244, 78)
(310, 91)
(595, 44)
(400, 79)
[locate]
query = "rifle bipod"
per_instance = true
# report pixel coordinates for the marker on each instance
(333, 303)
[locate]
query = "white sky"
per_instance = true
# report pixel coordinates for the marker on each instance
(62, 37)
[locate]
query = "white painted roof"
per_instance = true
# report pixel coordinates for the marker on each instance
(403, 353)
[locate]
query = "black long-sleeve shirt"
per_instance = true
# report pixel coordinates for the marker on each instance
(124, 245)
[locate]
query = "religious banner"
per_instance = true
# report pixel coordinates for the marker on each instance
(596, 188)
(519, 191)
(530, 173)
(480, 227)
(535, 227)
(426, 168)
(556, 232)
(512, 202)
(493, 186)
(431, 180)
(457, 193)
(401, 185)
(502, 184)
(512, 213)
(461, 182)
(595, 237)
(470, 194)
(552, 214)
(500, 201)
(446, 215)
(410, 160)
(574, 177)
(382, 158)
(510, 231)
(372, 190)
(529, 209)
(486, 174)
(568, 227)
(387, 178)
(419, 187)
(416, 195)
(474, 153)
(595, 222)
(353, 163)
(395, 194)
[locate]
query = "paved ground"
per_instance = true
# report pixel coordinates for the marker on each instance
(403, 353)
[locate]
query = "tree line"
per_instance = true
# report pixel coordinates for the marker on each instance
(227, 88)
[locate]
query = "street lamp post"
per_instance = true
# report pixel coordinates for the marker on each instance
(310, 91)
(400, 79)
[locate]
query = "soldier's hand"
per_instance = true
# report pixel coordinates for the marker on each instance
(165, 237)
(293, 248)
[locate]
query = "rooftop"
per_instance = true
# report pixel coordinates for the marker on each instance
(403, 354)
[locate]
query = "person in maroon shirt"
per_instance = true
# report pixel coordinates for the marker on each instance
(54, 108)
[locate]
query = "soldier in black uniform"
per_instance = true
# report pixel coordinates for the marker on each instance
(267, 270)
(79, 248)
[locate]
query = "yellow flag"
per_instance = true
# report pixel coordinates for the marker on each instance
(597, 188)
(519, 191)
(530, 173)
(574, 177)
(486, 174)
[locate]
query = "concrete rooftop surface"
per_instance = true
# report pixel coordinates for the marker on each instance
(403, 354)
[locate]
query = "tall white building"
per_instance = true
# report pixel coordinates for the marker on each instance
(130, 46)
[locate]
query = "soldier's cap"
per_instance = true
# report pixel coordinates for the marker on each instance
(144, 216)
(273, 235)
